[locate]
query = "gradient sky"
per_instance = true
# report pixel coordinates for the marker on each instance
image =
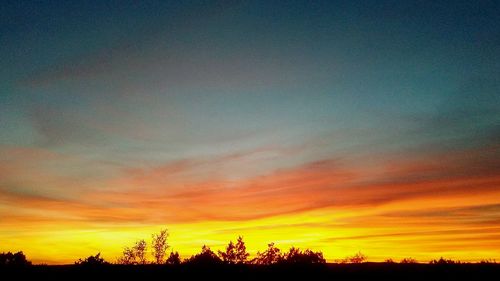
(341, 126)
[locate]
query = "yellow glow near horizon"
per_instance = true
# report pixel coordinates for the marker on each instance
(335, 232)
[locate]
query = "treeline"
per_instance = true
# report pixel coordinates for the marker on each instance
(235, 253)
(13, 259)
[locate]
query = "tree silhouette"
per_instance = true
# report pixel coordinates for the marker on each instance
(241, 251)
(235, 253)
(134, 255)
(92, 261)
(206, 257)
(271, 255)
(229, 256)
(128, 256)
(174, 259)
(140, 249)
(159, 245)
(16, 259)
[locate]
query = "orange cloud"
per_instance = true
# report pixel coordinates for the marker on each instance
(341, 208)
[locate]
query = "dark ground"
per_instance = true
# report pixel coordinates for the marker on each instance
(366, 271)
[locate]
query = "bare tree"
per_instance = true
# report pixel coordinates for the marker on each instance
(140, 249)
(160, 245)
(128, 257)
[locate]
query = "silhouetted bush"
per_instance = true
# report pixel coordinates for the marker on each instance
(92, 261)
(389, 260)
(16, 259)
(174, 259)
(206, 257)
(235, 253)
(408, 261)
(296, 256)
(442, 261)
(357, 258)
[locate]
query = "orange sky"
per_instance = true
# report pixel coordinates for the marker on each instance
(327, 205)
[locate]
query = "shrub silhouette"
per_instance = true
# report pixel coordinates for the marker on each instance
(408, 261)
(235, 253)
(271, 255)
(159, 246)
(296, 256)
(174, 259)
(357, 258)
(16, 259)
(443, 261)
(92, 261)
(205, 257)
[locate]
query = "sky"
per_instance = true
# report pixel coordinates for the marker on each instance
(340, 126)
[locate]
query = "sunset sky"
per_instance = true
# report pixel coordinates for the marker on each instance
(340, 126)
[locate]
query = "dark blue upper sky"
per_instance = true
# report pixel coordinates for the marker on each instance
(193, 73)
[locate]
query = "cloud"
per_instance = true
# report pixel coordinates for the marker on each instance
(59, 127)
(419, 234)
(466, 117)
(167, 191)
(206, 188)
